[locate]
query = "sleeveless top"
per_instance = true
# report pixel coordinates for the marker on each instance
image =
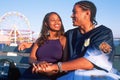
(50, 51)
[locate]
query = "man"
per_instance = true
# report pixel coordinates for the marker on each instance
(90, 48)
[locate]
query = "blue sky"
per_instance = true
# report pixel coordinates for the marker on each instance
(108, 12)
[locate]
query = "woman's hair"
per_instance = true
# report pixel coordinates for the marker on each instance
(45, 29)
(87, 5)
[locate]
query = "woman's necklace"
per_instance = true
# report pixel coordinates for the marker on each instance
(53, 38)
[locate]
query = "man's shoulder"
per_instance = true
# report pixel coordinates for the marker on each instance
(72, 30)
(103, 28)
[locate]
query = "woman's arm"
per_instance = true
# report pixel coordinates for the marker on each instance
(65, 50)
(33, 58)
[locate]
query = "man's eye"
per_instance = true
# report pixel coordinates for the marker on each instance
(74, 12)
(52, 20)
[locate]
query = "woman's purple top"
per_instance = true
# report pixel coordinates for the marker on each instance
(51, 51)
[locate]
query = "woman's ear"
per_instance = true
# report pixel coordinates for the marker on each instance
(46, 24)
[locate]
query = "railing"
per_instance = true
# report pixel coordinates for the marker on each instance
(116, 61)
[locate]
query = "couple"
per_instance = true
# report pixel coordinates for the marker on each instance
(85, 52)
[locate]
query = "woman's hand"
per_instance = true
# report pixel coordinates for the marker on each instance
(105, 47)
(24, 45)
(44, 68)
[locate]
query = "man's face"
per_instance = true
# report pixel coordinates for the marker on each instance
(78, 16)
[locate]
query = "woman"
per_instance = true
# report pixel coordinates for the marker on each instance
(49, 47)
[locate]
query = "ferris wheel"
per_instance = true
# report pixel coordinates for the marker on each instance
(16, 26)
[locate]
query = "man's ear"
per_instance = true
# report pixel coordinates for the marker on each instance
(88, 12)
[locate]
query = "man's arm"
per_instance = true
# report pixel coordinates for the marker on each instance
(80, 63)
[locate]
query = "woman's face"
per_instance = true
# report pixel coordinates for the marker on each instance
(78, 16)
(54, 22)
